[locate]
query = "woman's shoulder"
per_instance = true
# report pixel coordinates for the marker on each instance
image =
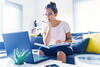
(64, 23)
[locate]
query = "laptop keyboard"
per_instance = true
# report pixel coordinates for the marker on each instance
(38, 57)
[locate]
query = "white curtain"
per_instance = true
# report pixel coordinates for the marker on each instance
(87, 15)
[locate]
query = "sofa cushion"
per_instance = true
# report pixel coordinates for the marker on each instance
(78, 35)
(70, 59)
(2, 45)
(3, 53)
(94, 43)
(37, 39)
(80, 47)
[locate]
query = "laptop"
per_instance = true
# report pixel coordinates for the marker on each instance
(21, 41)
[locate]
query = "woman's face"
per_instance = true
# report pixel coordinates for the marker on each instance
(50, 14)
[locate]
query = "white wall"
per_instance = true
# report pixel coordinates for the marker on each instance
(34, 9)
(28, 15)
(1, 12)
(1, 20)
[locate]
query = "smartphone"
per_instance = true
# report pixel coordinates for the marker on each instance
(52, 65)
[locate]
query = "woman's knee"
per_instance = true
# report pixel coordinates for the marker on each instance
(41, 52)
(61, 53)
(61, 56)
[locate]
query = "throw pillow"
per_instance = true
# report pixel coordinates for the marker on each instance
(94, 43)
(37, 39)
(80, 47)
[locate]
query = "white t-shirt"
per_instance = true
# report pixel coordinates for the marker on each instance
(58, 32)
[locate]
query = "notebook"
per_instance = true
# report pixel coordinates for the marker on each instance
(67, 44)
(21, 41)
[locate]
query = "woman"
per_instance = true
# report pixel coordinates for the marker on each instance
(56, 32)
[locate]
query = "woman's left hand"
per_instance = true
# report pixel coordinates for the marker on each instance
(59, 41)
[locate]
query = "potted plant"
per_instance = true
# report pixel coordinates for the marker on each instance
(20, 56)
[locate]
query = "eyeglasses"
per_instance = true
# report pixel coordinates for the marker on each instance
(48, 14)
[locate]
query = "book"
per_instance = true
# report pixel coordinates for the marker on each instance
(54, 45)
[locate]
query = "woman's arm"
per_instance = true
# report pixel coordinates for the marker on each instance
(68, 37)
(47, 37)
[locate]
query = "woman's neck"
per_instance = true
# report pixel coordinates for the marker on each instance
(55, 22)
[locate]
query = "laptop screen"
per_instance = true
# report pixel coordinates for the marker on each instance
(18, 40)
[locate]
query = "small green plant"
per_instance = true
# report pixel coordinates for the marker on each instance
(20, 56)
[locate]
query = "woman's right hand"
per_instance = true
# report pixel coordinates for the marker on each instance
(46, 43)
(49, 24)
(47, 35)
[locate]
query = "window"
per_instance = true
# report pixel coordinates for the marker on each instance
(86, 15)
(10, 17)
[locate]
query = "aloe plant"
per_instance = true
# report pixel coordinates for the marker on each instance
(20, 56)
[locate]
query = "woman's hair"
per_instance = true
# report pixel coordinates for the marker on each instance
(52, 6)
